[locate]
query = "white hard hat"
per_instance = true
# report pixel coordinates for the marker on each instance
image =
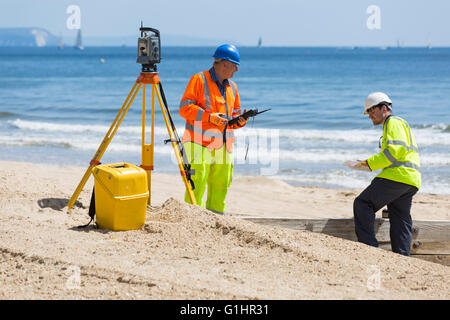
(374, 99)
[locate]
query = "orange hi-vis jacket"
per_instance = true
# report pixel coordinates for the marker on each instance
(201, 98)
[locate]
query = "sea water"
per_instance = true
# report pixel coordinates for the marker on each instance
(57, 105)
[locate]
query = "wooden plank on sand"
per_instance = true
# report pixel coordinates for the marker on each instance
(429, 237)
(441, 259)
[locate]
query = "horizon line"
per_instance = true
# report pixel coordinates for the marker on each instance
(250, 46)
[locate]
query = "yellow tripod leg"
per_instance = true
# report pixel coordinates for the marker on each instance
(106, 140)
(176, 149)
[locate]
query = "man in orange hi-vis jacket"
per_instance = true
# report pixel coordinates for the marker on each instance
(210, 100)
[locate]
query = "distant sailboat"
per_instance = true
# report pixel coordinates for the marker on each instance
(259, 42)
(60, 46)
(78, 42)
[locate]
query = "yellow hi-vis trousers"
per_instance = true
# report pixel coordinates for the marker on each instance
(213, 169)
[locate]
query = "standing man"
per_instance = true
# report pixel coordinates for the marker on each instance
(210, 100)
(398, 181)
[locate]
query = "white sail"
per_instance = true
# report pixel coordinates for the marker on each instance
(78, 42)
(429, 42)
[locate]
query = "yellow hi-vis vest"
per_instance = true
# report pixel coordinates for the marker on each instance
(399, 156)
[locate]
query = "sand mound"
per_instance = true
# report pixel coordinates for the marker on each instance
(186, 252)
(293, 264)
(193, 227)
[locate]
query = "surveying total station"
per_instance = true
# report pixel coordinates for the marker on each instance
(148, 55)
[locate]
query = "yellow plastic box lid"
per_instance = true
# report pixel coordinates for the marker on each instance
(122, 179)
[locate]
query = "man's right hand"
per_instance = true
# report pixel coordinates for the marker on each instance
(216, 119)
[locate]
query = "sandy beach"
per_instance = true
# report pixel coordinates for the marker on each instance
(186, 252)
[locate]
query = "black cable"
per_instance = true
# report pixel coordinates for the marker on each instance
(187, 165)
(163, 96)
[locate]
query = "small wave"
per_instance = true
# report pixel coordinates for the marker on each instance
(265, 154)
(435, 159)
(424, 136)
(79, 128)
(32, 142)
(53, 127)
(80, 144)
(336, 179)
(312, 134)
(6, 115)
(49, 143)
(440, 126)
(349, 179)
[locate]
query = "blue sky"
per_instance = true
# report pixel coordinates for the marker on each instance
(278, 22)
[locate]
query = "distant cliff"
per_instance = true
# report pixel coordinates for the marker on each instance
(27, 37)
(39, 37)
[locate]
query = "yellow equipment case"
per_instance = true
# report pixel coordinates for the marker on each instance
(121, 195)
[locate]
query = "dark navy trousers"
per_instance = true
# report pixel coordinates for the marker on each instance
(398, 198)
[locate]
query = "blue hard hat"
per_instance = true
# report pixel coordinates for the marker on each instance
(228, 52)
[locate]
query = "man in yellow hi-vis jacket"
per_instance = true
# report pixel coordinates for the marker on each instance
(397, 183)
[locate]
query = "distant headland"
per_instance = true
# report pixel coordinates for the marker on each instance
(40, 37)
(27, 37)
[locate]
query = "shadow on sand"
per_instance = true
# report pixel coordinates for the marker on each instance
(57, 203)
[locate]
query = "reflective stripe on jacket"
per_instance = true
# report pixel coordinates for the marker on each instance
(399, 156)
(201, 98)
